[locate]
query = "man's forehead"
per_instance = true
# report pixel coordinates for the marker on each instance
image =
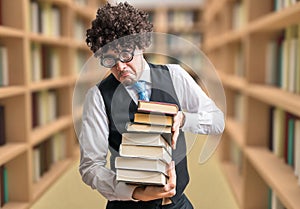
(116, 50)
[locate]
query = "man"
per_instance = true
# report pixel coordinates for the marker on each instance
(118, 36)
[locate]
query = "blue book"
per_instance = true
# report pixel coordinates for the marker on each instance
(291, 133)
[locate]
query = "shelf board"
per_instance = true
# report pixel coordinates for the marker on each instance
(9, 91)
(50, 83)
(16, 205)
(41, 133)
(234, 179)
(58, 2)
(236, 131)
(277, 20)
(50, 40)
(214, 9)
(84, 11)
(181, 30)
(10, 150)
(233, 81)
(79, 45)
(275, 97)
(11, 32)
(50, 177)
(277, 174)
(226, 38)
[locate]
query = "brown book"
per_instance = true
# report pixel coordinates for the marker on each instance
(146, 139)
(157, 107)
(149, 152)
(142, 164)
(141, 177)
(155, 119)
(165, 131)
(147, 128)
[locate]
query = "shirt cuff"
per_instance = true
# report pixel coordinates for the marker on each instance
(193, 121)
(125, 191)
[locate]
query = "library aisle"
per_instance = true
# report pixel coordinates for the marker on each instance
(208, 188)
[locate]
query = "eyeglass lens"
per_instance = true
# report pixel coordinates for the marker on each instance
(109, 60)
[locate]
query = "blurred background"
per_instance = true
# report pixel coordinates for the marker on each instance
(254, 47)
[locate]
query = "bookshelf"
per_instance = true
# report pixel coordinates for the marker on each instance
(237, 38)
(169, 24)
(42, 45)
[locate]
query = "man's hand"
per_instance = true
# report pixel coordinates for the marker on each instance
(178, 122)
(156, 192)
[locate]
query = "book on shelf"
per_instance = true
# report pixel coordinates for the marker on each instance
(147, 139)
(2, 126)
(297, 148)
(50, 62)
(154, 119)
(297, 76)
(290, 141)
(141, 177)
(4, 185)
(45, 18)
(45, 154)
(36, 166)
(278, 132)
(44, 107)
(36, 62)
(4, 74)
(157, 107)
(34, 16)
(284, 137)
(1, 187)
(142, 164)
(149, 152)
(273, 200)
(58, 144)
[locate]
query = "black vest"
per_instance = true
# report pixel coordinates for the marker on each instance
(120, 108)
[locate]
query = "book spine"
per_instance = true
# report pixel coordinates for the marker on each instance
(5, 185)
(2, 126)
(1, 186)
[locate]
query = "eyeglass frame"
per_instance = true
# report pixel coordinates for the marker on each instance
(116, 59)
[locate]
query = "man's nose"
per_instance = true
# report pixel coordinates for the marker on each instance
(120, 65)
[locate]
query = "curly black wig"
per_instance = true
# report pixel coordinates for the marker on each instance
(124, 23)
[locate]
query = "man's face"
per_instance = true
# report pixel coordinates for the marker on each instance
(127, 72)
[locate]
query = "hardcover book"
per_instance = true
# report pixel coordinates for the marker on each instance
(142, 164)
(147, 128)
(155, 119)
(141, 177)
(157, 107)
(146, 140)
(150, 152)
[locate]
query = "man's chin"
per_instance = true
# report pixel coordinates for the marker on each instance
(128, 81)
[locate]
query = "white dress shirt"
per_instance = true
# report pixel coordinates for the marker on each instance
(202, 116)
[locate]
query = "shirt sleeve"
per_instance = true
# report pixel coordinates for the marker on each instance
(202, 116)
(93, 141)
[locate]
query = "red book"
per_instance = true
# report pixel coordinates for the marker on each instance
(157, 107)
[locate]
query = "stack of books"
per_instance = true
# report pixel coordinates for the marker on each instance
(146, 151)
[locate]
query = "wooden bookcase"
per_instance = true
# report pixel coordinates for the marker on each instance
(22, 137)
(184, 22)
(250, 166)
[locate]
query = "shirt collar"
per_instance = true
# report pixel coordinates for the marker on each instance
(146, 73)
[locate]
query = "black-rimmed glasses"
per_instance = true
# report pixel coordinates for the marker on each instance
(110, 61)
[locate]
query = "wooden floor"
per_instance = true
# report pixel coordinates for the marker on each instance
(207, 189)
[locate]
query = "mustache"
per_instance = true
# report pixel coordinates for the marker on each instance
(124, 72)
